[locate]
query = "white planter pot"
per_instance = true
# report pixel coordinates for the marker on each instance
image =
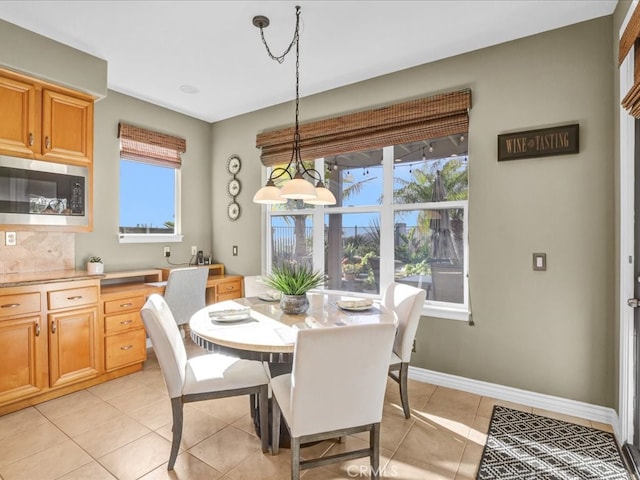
(95, 268)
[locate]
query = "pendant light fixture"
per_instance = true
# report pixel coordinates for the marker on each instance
(297, 187)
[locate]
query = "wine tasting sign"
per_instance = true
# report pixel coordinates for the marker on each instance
(545, 142)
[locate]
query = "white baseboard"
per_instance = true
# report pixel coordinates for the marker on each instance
(565, 406)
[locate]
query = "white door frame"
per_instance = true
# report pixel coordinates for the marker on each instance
(626, 377)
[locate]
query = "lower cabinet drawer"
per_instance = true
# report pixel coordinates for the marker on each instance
(19, 304)
(122, 321)
(230, 288)
(125, 348)
(227, 296)
(124, 304)
(72, 297)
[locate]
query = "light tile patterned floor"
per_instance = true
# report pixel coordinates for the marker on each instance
(122, 429)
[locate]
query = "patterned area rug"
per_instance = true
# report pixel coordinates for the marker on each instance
(525, 446)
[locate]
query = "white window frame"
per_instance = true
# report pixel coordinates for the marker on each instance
(176, 237)
(387, 210)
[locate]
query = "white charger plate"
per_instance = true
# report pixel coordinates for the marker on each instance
(230, 315)
(269, 298)
(354, 308)
(230, 318)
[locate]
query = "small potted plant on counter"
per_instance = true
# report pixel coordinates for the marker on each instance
(294, 280)
(95, 266)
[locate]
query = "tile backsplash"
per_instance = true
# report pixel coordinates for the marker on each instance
(38, 252)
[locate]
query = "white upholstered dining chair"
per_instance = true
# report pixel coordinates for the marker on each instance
(185, 293)
(199, 378)
(406, 303)
(336, 388)
(253, 286)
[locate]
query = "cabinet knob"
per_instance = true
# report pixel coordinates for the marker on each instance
(75, 297)
(126, 305)
(53, 326)
(125, 322)
(47, 142)
(126, 347)
(37, 329)
(30, 139)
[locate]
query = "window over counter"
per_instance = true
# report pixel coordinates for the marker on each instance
(149, 185)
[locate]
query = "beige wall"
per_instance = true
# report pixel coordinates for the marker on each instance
(618, 18)
(551, 332)
(38, 56)
(196, 186)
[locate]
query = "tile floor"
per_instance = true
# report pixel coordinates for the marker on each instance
(122, 429)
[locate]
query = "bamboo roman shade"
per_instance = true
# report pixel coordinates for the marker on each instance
(631, 38)
(147, 146)
(414, 120)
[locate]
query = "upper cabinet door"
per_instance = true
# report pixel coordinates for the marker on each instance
(18, 126)
(67, 127)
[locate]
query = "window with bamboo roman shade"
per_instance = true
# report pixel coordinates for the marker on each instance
(413, 120)
(149, 185)
(141, 144)
(631, 38)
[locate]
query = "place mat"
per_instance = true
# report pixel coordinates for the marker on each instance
(525, 446)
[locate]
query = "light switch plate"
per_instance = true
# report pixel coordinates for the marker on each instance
(10, 239)
(539, 262)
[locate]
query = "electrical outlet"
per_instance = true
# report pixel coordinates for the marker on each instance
(194, 250)
(10, 239)
(167, 252)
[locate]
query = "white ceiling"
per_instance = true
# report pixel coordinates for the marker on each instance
(154, 47)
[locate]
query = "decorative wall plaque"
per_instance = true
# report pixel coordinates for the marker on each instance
(545, 142)
(233, 187)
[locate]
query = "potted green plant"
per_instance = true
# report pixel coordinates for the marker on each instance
(293, 281)
(95, 266)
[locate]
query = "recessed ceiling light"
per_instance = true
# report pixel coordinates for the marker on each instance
(190, 89)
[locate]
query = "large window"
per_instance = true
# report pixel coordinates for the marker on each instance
(400, 216)
(149, 185)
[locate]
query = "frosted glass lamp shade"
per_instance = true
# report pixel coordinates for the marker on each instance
(269, 194)
(298, 189)
(324, 196)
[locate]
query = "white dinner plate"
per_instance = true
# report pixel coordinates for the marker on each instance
(230, 318)
(353, 308)
(230, 315)
(269, 298)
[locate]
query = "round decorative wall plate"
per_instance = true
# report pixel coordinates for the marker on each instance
(234, 164)
(233, 187)
(233, 211)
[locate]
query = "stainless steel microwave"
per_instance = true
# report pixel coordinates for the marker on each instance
(33, 192)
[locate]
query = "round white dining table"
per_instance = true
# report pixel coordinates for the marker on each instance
(268, 334)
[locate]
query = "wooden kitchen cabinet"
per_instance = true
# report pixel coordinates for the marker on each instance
(75, 347)
(44, 121)
(227, 289)
(63, 335)
(67, 127)
(125, 336)
(23, 345)
(19, 133)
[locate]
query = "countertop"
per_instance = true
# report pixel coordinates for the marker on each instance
(19, 279)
